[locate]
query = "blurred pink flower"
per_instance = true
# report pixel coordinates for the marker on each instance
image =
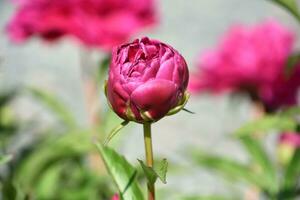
(115, 197)
(283, 91)
(96, 23)
(287, 144)
(291, 139)
(252, 60)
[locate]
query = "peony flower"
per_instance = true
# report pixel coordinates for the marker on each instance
(251, 60)
(291, 139)
(96, 23)
(115, 197)
(283, 91)
(147, 80)
(287, 144)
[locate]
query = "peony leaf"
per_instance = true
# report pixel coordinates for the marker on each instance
(292, 173)
(115, 131)
(49, 152)
(153, 173)
(231, 169)
(291, 112)
(56, 106)
(5, 159)
(261, 160)
(122, 172)
(289, 5)
(149, 172)
(292, 63)
(161, 170)
(266, 124)
(208, 197)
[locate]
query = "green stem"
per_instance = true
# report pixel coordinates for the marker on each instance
(149, 157)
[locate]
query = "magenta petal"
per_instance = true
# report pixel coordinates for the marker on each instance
(180, 74)
(151, 71)
(156, 97)
(166, 70)
(117, 98)
(131, 86)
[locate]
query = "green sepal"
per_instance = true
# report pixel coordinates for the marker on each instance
(105, 92)
(180, 105)
(188, 111)
(152, 173)
(129, 114)
(146, 116)
(115, 131)
(105, 87)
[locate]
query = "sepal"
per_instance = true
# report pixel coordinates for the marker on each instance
(115, 131)
(146, 116)
(180, 105)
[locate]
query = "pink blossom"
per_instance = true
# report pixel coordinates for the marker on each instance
(291, 139)
(115, 197)
(252, 60)
(147, 79)
(96, 23)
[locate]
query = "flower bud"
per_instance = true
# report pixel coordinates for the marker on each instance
(147, 81)
(115, 197)
(287, 144)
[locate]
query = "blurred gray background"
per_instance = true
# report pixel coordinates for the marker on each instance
(190, 26)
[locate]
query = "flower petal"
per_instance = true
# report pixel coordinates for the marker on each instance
(166, 70)
(156, 97)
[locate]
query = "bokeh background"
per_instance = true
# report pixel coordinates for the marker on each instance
(191, 27)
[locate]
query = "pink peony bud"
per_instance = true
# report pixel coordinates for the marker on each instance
(115, 197)
(287, 144)
(147, 80)
(291, 139)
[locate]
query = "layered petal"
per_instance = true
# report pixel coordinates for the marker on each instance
(147, 79)
(156, 97)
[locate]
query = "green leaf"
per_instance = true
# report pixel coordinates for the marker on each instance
(261, 160)
(115, 131)
(7, 96)
(161, 170)
(149, 172)
(5, 159)
(49, 152)
(292, 62)
(122, 172)
(267, 124)
(9, 190)
(289, 5)
(156, 172)
(291, 112)
(231, 169)
(292, 173)
(208, 197)
(56, 106)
